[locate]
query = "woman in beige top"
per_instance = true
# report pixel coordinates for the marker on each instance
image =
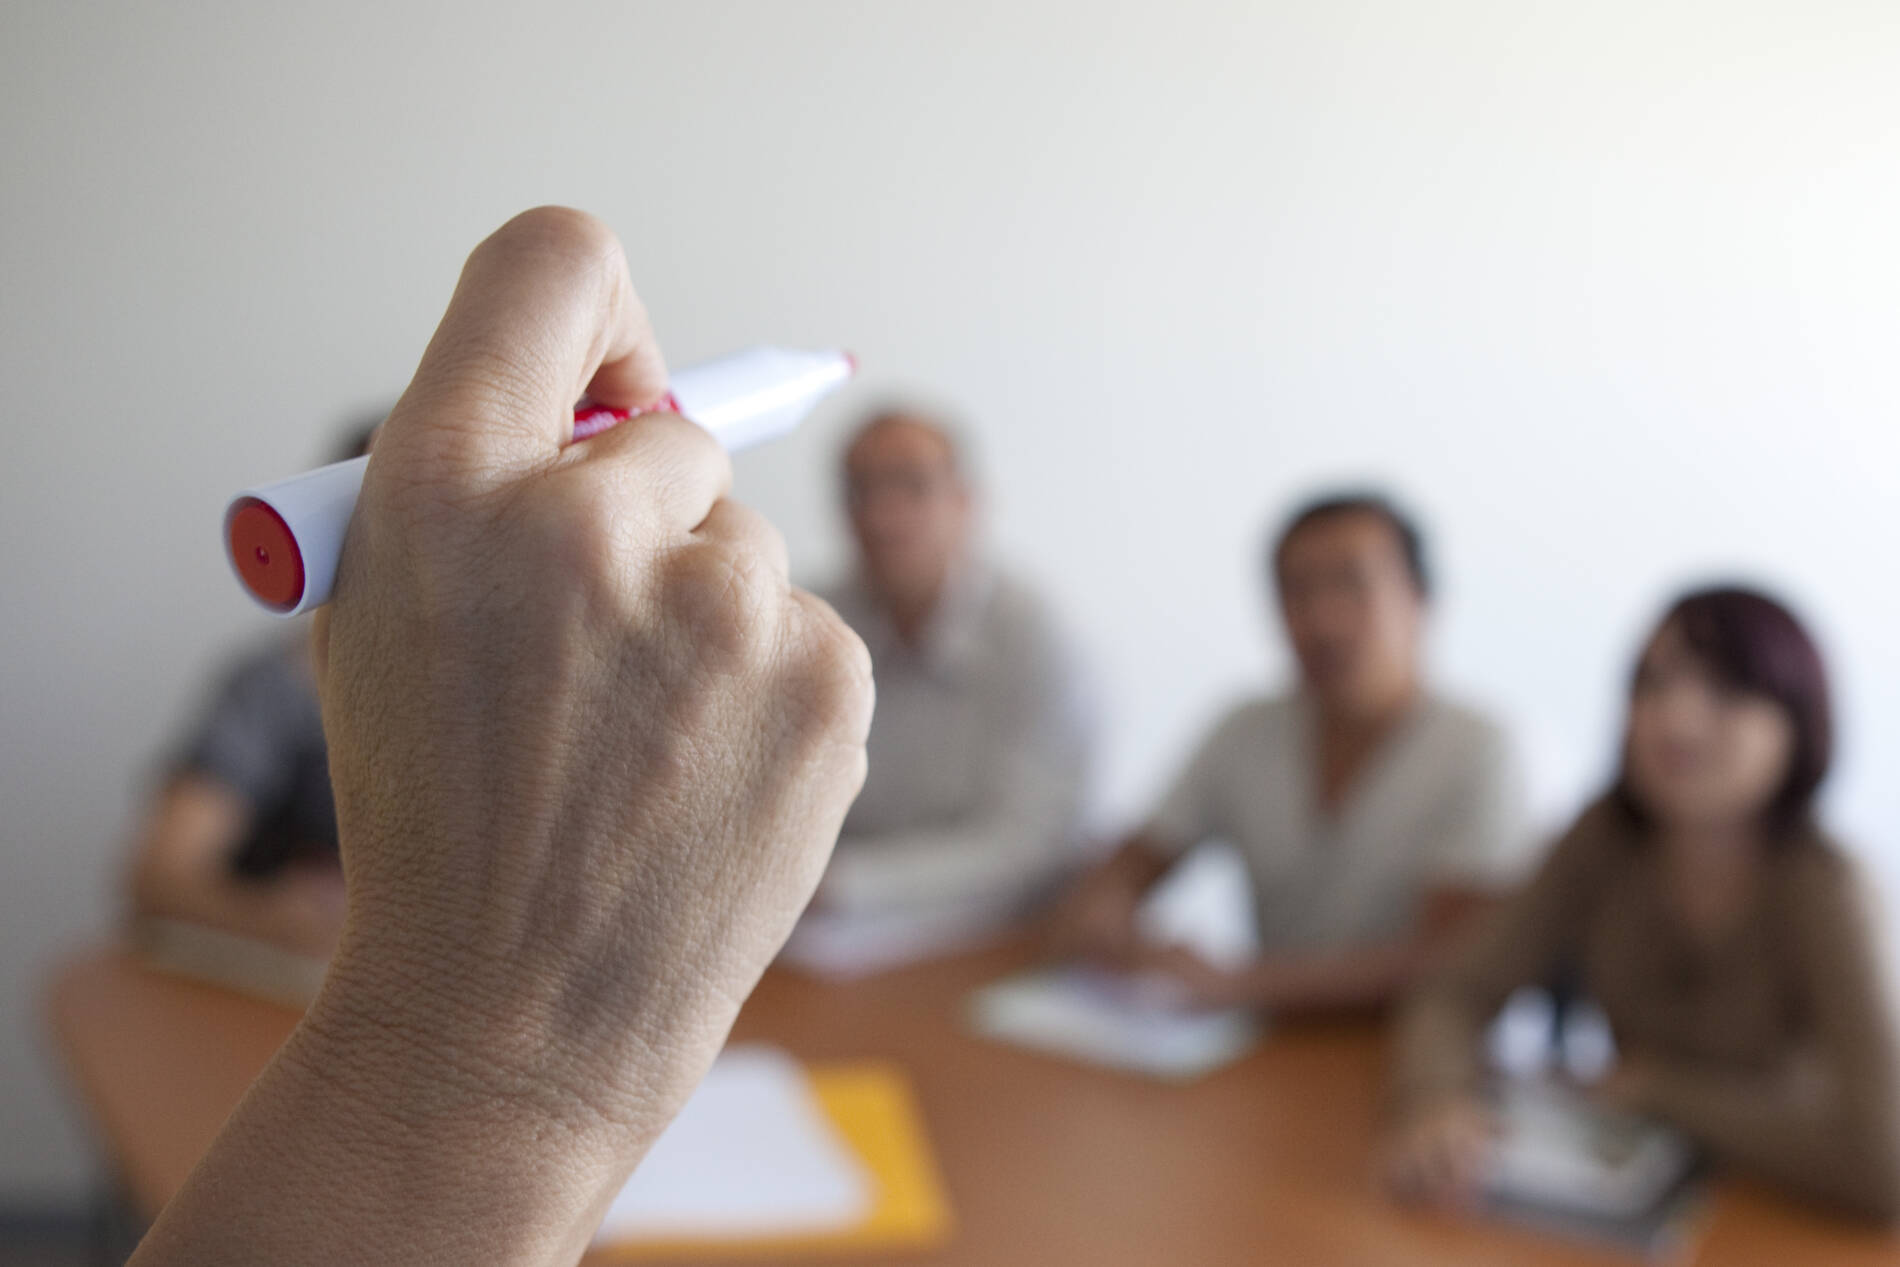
(1721, 933)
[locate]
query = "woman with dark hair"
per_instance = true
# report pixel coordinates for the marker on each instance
(1722, 934)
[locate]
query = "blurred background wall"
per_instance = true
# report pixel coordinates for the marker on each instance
(1606, 290)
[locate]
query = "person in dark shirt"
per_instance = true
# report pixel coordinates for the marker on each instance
(242, 836)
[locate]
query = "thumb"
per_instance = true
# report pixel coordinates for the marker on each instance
(544, 312)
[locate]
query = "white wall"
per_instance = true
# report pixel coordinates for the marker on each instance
(1608, 289)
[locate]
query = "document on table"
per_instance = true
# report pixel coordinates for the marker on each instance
(1574, 1167)
(244, 964)
(1104, 1019)
(752, 1155)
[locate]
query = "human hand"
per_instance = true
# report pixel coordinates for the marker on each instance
(1628, 1086)
(1186, 980)
(1437, 1156)
(1096, 920)
(590, 749)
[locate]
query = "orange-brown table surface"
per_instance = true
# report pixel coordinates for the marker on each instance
(1047, 1163)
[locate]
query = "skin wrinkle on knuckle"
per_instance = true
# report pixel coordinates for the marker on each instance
(577, 249)
(715, 594)
(490, 378)
(833, 693)
(655, 474)
(839, 655)
(579, 555)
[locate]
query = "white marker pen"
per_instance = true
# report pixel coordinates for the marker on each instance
(284, 539)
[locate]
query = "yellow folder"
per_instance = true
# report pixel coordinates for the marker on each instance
(872, 1106)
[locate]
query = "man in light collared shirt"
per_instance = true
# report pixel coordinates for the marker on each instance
(979, 743)
(1374, 815)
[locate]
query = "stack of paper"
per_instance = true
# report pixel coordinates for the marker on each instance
(751, 1156)
(1108, 1020)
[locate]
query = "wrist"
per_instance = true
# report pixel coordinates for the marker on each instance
(364, 1138)
(598, 1035)
(428, 1110)
(489, 1037)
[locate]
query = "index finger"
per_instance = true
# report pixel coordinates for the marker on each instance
(543, 313)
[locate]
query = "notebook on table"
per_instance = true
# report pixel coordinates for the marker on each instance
(1568, 1165)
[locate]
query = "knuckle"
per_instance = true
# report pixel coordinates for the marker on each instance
(754, 532)
(670, 448)
(572, 236)
(721, 593)
(576, 540)
(832, 678)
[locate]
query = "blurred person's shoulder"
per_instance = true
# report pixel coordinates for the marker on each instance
(1604, 839)
(1256, 721)
(1463, 730)
(1818, 877)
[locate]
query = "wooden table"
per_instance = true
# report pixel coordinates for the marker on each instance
(1047, 1163)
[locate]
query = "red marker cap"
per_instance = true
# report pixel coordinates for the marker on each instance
(265, 554)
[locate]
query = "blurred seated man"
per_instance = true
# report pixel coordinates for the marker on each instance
(978, 746)
(242, 835)
(1372, 813)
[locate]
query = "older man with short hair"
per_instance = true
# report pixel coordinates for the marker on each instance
(979, 744)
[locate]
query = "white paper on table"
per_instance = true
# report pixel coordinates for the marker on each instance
(751, 1155)
(248, 966)
(1557, 1149)
(1108, 1020)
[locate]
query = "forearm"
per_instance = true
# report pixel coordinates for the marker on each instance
(1363, 977)
(359, 1144)
(1802, 1137)
(1449, 1000)
(1436, 1052)
(1370, 976)
(1137, 866)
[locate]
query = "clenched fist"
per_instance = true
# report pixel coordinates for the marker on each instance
(590, 752)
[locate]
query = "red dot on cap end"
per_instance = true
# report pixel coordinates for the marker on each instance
(265, 554)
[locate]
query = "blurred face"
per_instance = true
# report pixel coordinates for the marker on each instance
(909, 508)
(1351, 611)
(1702, 754)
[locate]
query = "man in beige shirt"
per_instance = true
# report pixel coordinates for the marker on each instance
(979, 742)
(1371, 812)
